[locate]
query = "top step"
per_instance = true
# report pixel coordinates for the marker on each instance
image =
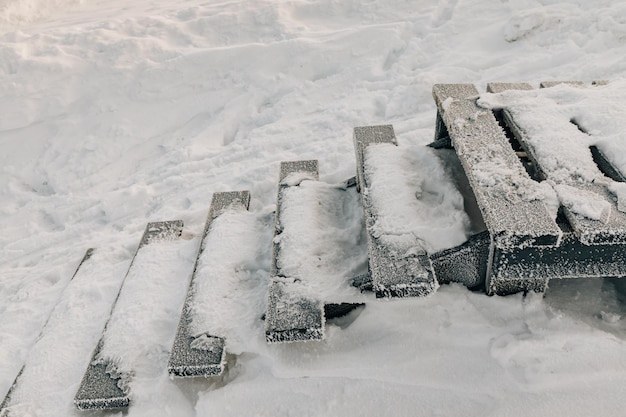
(495, 173)
(577, 178)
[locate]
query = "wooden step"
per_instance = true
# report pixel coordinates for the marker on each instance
(394, 272)
(292, 313)
(203, 354)
(103, 386)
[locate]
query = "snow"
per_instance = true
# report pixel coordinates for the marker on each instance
(563, 121)
(415, 205)
(329, 221)
(619, 190)
(559, 125)
(230, 282)
(584, 203)
(143, 323)
(119, 113)
(49, 381)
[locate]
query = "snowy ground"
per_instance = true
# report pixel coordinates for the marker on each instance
(114, 114)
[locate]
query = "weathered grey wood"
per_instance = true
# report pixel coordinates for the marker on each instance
(584, 253)
(290, 316)
(500, 87)
(531, 268)
(465, 264)
(479, 143)
(605, 166)
(392, 273)
(548, 84)
(589, 231)
(99, 387)
(188, 358)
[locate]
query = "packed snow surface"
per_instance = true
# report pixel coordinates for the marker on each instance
(117, 113)
(230, 274)
(329, 221)
(416, 207)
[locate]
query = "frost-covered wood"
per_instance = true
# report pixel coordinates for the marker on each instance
(500, 87)
(292, 313)
(593, 226)
(548, 84)
(193, 353)
(465, 264)
(396, 270)
(6, 403)
(575, 191)
(504, 191)
(104, 385)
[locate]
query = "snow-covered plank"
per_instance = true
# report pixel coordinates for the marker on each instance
(561, 151)
(585, 193)
(509, 200)
(398, 263)
(293, 313)
(197, 349)
(105, 384)
(500, 87)
(573, 83)
(7, 402)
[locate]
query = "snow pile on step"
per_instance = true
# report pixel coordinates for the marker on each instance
(143, 323)
(583, 202)
(117, 114)
(320, 241)
(228, 280)
(619, 191)
(56, 363)
(415, 206)
(560, 124)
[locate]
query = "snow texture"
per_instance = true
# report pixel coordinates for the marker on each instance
(316, 253)
(58, 359)
(398, 262)
(412, 212)
(292, 315)
(143, 317)
(115, 114)
(558, 125)
(619, 190)
(511, 203)
(222, 280)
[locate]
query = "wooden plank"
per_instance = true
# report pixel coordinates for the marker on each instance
(500, 87)
(291, 314)
(530, 269)
(99, 387)
(548, 84)
(7, 399)
(466, 263)
(611, 229)
(202, 354)
(494, 171)
(393, 272)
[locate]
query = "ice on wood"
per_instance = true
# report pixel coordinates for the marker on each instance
(138, 316)
(465, 264)
(199, 346)
(398, 262)
(293, 313)
(558, 128)
(510, 202)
